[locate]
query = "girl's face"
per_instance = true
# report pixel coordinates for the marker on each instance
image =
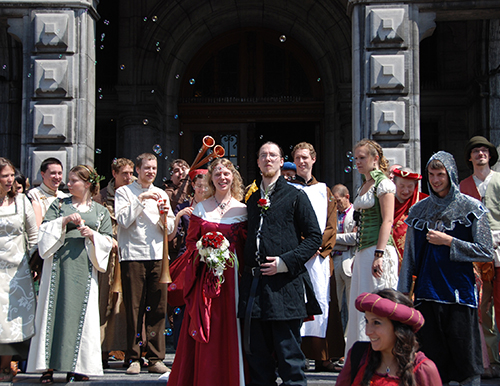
(76, 186)
(6, 179)
(199, 187)
(222, 178)
(380, 330)
(18, 187)
(365, 162)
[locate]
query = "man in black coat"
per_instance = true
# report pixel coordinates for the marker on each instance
(283, 233)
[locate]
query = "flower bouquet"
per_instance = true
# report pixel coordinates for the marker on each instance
(213, 249)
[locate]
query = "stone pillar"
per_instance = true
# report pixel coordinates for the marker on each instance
(385, 77)
(58, 108)
(494, 80)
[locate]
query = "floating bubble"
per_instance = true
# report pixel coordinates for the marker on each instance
(318, 80)
(148, 308)
(172, 152)
(177, 76)
(164, 179)
(354, 167)
(4, 66)
(157, 149)
(95, 63)
(60, 56)
(98, 151)
(100, 96)
(152, 91)
(122, 67)
(177, 310)
(193, 333)
(138, 335)
(158, 49)
(291, 147)
(145, 18)
(154, 18)
(351, 158)
(140, 343)
(282, 38)
(157, 44)
(192, 81)
(166, 157)
(181, 133)
(102, 47)
(102, 37)
(145, 121)
(168, 331)
(347, 169)
(115, 161)
(153, 333)
(261, 137)
(99, 89)
(237, 167)
(286, 158)
(106, 22)
(349, 154)
(29, 74)
(176, 116)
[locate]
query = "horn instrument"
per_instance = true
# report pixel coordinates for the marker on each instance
(165, 264)
(208, 142)
(217, 153)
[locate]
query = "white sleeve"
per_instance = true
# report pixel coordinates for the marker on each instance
(386, 186)
(98, 251)
(51, 237)
(127, 207)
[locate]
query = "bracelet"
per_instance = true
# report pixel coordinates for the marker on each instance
(379, 253)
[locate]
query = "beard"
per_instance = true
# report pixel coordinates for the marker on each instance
(269, 174)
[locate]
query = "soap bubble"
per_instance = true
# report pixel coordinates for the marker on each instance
(260, 137)
(148, 308)
(176, 116)
(177, 76)
(154, 18)
(282, 38)
(102, 37)
(153, 334)
(168, 331)
(145, 18)
(177, 311)
(192, 81)
(157, 149)
(318, 80)
(122, 67)
(181, 133)
(106, 22)
(98, 151)
(102, 48)
(347, 169)
(145, 121)
(99, 89)
(140, 343)
(349, 154)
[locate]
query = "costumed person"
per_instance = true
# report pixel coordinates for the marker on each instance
(209, 351)
(74, 240)
(376, 263)
(111, 307)
(447, 232)
(18, 234)
(407, 195)
(197, 191)
(322, 337)
(484, 185)
(391, 357)
(21, 182)
(289, 171)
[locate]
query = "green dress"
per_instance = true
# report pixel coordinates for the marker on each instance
(67, 320)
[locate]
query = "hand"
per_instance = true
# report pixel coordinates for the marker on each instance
(74, 218)
(114, 248)
(162, 208)
(377, 267)
(271, 267)
(85, 231)
(149, 195)
(439, 238)
(187, 211)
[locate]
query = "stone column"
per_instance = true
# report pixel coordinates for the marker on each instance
(58, 108)
(385, 76)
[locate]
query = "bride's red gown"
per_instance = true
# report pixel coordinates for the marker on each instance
(209, 351)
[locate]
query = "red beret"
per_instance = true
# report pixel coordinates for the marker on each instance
(193, 173)
(388, 309)
(406, 175)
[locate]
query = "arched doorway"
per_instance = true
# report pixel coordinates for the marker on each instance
(246, 87)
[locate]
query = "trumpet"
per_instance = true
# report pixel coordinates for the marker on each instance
(208, 142)
(217, 153)
(165, 264)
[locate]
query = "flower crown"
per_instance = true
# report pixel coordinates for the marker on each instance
(94, 178)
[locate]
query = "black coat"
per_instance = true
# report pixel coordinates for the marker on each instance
(290, 230)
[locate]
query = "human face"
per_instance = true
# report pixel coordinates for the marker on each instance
(365, 162)
(123, 176)
(222, 179)
(288, 174)
(404, 188)
(270, 161)
(179, 172)
(304, 162)
(146, 174)
(480, 156)
(342, 202)
(380, 330)
(200, 187)
(76, 186)
(439, 181)
(6, 179)
(52, 177)
(18, 187)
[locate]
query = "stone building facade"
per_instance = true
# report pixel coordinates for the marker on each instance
(88, 82)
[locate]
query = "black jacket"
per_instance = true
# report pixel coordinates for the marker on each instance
(290, 230)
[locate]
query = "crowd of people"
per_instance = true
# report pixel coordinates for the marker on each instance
(395, 288)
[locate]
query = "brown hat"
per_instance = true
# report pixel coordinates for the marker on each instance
(479, 141)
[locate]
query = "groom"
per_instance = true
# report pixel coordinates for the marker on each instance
(283, 233)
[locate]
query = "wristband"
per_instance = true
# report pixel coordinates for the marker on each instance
(379, 253)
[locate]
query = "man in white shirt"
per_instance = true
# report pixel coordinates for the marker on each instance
(44, 195)
(139, 213)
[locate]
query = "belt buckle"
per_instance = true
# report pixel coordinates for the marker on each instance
(254, 270)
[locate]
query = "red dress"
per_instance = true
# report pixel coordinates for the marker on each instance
(209, 349)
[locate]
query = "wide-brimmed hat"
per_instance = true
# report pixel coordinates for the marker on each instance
(387, 308)
(479, 141)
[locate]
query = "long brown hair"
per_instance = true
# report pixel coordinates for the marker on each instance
(88, 174)
(237, 187)
(375, 149)
(3, 163)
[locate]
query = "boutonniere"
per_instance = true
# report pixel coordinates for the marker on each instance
(264, 204)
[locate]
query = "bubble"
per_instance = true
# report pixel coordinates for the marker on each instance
(4, 66)
(157, 149)
(102, 37)
(95, 63)
(98, 151)
(138, 335)
(154, 18)
(148, 308)
(347, 169)
(60, 55)
(102, 47)
(100, 96)
(354, 167)
(351, 158)
(165, 179)
(176, 116)
(158, 49)
(349, 154)
(99, 89)
(166, 157)
(145, 18)
(318, 80)
(282, 38)
(181, 133)
(106, 22)
(286, 158)
(237, 167)
(167, 332)
(172, 152)
(261, 137)
(193, 333)
(177, 311)
(291, 147)
(152, 91)
(157, 44)
(122, 67)
(192, 81)
(177, 76)
(29, 74)
(115, 161)
(140, 343)
(145, 121)
(153, 333)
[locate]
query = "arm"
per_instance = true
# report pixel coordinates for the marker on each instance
(30, 223)
(427, 374)
(127, 207)
(37, 209)
(346, 238)
(481, 249)
(408, 268)
(99, 245)
(387, 212)
(170, 217)
(177, 222)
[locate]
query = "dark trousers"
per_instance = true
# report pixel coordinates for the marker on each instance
(145, 299)
(276, 344)
(450, 338)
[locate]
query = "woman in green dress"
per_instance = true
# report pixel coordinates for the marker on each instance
(74, 241)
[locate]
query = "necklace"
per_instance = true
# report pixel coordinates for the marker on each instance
(222, 205)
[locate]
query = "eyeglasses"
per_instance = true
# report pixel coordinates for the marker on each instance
(480, 149)
(272, 156)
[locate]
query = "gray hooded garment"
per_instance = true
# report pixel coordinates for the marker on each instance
(445, 274)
